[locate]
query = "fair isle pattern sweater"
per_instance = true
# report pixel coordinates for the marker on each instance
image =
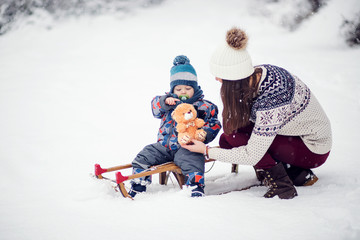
(284, 106)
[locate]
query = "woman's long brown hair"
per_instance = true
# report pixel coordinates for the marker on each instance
(237, 97)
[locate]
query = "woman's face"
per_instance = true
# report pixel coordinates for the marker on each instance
(219, 79)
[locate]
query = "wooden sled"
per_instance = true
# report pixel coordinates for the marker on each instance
(164, 171)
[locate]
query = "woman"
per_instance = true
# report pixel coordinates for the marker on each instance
(271, 120)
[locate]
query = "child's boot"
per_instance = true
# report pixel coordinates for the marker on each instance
(138, 185)
(198, 191)
(278, 182)
(136, 188)
(196, 181)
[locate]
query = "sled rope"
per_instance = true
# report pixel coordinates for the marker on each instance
(242, 189)
(210, 167)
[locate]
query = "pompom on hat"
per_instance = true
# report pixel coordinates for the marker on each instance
(231, 61)
(182, 73)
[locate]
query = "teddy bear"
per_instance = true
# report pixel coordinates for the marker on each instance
(188, 124)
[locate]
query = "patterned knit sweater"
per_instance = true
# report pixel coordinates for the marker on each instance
(284, 106)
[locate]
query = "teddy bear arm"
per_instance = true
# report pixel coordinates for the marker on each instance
(184, 138)
(181, 127)
(200, 135)
(199, 122)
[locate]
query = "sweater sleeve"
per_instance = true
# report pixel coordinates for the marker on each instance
(249, 154)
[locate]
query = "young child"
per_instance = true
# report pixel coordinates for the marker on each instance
(183, 89)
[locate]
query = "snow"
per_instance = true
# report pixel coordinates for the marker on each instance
(79, 93)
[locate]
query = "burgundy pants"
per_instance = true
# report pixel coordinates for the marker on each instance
(291, 150)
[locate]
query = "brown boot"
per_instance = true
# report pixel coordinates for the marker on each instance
(278, 182)
(300, 176)
(259, 176)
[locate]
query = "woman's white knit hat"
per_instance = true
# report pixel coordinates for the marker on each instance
(231, 61)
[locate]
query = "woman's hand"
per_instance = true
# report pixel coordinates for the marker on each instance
(198, 146)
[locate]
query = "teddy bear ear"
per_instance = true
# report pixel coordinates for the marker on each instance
(173, 115)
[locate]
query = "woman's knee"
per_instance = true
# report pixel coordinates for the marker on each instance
(234, 140)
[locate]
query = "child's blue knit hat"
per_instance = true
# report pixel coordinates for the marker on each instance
(182, 73)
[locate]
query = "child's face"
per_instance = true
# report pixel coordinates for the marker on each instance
(184, 90)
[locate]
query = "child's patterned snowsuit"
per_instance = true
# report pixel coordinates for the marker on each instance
(168, 149)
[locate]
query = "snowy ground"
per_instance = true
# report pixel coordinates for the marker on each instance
(80, 94)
